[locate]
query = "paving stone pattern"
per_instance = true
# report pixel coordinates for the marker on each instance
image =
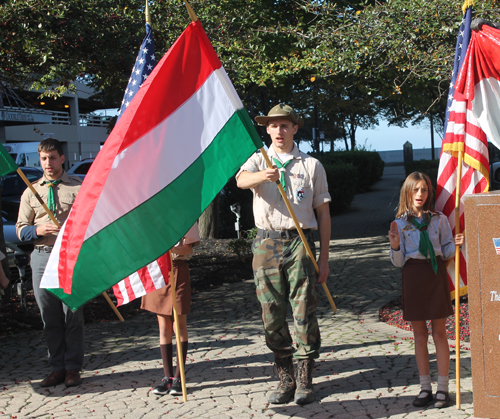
(367, 368)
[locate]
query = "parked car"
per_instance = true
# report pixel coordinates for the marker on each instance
(18, 254)
(13, 187)
(81, 167)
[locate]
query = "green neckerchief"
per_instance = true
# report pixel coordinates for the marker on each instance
(281, 168)
(52, 203)
(425, 248)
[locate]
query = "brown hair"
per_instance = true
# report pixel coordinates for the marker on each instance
(406, 195)
(51, 144)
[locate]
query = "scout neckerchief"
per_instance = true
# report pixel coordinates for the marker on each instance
(52, 203)
(425, 247)
(281, 167)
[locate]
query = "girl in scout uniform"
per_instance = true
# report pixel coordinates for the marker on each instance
(421, 242)
(160, 302)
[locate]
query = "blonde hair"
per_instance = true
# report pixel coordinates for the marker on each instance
(406, 207)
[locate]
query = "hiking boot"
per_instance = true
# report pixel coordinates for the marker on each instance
(286, 388)
(164, 387)
(176, 389)
(304, 393)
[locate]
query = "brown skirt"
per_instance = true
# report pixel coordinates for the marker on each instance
(426, 296)
(160, 301)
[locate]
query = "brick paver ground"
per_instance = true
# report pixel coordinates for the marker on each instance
(367, 368)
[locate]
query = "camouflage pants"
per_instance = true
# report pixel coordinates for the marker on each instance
(283, 272)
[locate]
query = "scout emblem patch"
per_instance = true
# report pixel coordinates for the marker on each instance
(300, 194)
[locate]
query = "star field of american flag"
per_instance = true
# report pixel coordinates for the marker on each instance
(144, 64)
(463, 40)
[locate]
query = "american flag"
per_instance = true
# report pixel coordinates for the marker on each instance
(496, 242)
(144, 64)
(155, 275)
(462, 133)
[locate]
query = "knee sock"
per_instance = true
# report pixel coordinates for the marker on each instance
(184, 347)
(425, 384)
(166, 356)
(442, 386)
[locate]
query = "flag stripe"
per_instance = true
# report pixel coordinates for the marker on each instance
(164, 164)
(159, 220)
(194, 57)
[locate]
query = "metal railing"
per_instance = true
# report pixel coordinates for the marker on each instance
(63, 118)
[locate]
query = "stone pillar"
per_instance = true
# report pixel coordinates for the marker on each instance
(482, 221)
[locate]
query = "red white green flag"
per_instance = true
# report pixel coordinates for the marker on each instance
(183, 136)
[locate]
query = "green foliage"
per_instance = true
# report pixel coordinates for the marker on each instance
(342, 181)
(241, 247)
(369, 165)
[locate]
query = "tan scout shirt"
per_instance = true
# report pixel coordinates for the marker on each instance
(306, 188)
(31, 211)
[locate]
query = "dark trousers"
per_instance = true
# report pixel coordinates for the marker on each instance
(63, 329)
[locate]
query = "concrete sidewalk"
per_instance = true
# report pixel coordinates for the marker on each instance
(367, 368)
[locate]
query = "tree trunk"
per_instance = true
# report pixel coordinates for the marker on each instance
(208, 223)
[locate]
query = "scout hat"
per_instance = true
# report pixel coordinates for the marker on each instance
(281, 111)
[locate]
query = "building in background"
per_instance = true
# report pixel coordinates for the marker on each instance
(74, 119)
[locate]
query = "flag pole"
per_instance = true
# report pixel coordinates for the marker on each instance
(180, 357)
(457, 277)
(299, 230)
(54, 220)
(146, 12)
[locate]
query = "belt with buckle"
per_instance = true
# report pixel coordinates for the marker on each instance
(46, 249)
(283, 234)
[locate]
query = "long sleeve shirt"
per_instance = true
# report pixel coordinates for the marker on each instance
(439, 234)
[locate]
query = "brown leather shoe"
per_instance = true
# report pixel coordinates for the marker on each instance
(72, 378)
(55, 378)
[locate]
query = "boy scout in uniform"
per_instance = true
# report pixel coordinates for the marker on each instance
(64, 332)
(282, 269)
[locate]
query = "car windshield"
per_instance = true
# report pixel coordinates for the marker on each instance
(12, 184)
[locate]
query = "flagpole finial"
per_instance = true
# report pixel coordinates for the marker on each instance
(191, 12)
(146, 12)
(467, 4)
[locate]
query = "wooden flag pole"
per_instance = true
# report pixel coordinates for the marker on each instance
(54, 220)
(457, 277)
(178, 342)
(301, 233)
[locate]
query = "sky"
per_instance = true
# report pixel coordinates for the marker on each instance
(381, 138)
(384, 138)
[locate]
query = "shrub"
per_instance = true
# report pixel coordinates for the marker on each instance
(369, 165)
(342, 180)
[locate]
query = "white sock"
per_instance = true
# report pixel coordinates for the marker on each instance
(425, 384)
(442, 386)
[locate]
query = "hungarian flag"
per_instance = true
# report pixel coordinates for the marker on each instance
(183, 136)
(462, 133)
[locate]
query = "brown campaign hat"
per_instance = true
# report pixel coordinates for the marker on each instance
(281, 111)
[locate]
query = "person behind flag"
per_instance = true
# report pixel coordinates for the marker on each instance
(421, 241)
(282, 269)
(160, 302)
(63, 328)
